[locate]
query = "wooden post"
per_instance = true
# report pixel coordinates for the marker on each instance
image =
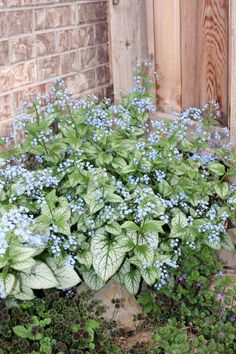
(188, 23)
(167, 53)
(232, 71)
(212, 52)
(128, 41)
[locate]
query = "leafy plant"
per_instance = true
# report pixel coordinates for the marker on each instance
(198, 315)
(56, 323)
(89, 192)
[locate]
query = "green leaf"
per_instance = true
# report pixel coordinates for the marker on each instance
(85, 257)
(114, 198)
(9, 282)
(92, 324)
(125, 268)
(42, 222)
(130, 225)
(150, 239)
(63, 226)
(94, 205)
(65, 275)
(3, 262)
(114, 228)
(21, 331)
(107, 254)
(28, 263)
(119, 163)
(150, 275)
(91, 150)
(179, 219)
(232, 173)
(51, 198)
(144, 253)
(22, 292)
(39, 277)
(132, 281)
(211, 244)
(104, 158)
(162, 258)
(21, 254)
(216, 168)
(152, 226)
(93, 281)
(179, 225)
(63, 212)
(226, 242)
(76, 178)
(222, 189)
(165, 188)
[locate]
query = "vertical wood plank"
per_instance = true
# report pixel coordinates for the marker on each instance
(188, 23)
(232, 71)
(150, 32)
(212, 57)
(167, 53)
(150, 29)
(128, 41)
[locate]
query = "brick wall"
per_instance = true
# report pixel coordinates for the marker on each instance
(43, 39)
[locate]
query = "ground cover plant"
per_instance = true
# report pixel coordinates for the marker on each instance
(198, 315)
(90, 192)
(55, 323)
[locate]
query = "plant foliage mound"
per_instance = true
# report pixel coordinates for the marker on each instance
(92, 191)
(62, 323)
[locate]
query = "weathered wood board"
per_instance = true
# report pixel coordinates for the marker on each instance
(168, 54)
(212, 53)
(232, 71)
(128, 36)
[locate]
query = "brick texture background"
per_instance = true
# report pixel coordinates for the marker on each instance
(43, 39)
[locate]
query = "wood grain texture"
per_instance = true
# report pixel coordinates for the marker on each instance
(150, 29)
(150, 32)
(212, 52)
(167, 53)
(232, 71)
(188, 31)
(128, 41)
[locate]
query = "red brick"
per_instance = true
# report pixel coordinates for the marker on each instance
(27, 93)
(88, 58)
(45, 43)
(92, 12)
(6, 107)
(29, 2)
(48, 67)
(58, 16)
(6, 126)
(14, 76)
(15, 22)
(4, 51)
(82, 37)
(103, 54)
(81, 81)
(87, 80)
(102, 75)
(22, 49)
(69, 63)
(101, 30)
(64, 41)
